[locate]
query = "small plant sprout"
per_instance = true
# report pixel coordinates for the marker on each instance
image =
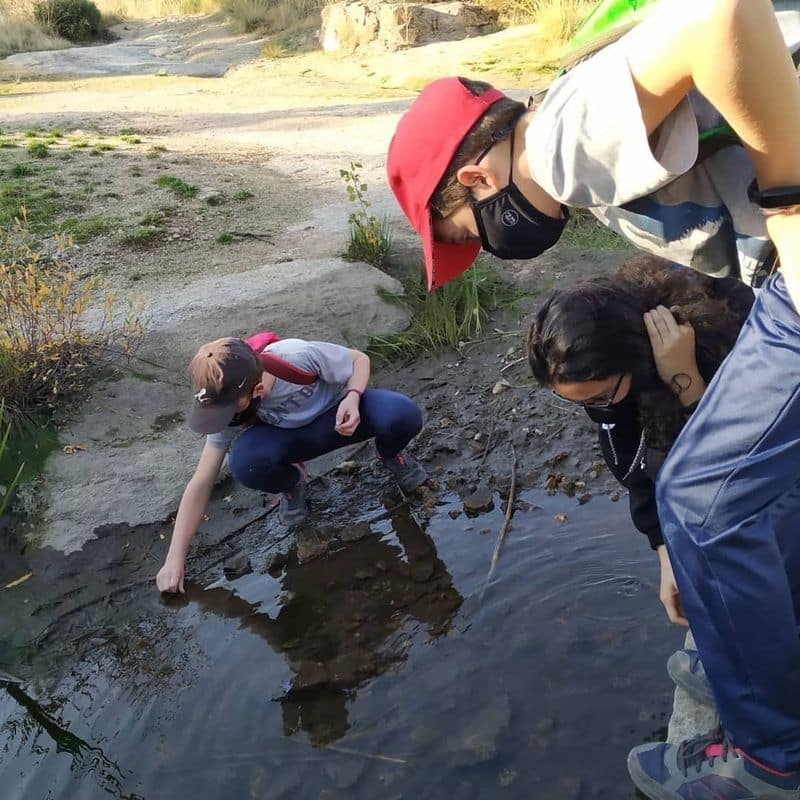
(370, 237)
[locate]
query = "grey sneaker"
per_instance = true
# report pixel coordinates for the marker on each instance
(293, 507)
(408, 472)
(686, 670)
(707, 767)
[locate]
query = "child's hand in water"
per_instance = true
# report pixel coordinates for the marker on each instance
(347, 415)
(170, 577)
(674, 353)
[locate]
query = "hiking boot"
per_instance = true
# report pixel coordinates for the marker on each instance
(686, 670)
(408, 472)
(705, 767)
(293, 507)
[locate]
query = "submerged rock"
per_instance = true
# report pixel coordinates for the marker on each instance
(310, 545)
(236, 566)
(478, 741)
(482, 499)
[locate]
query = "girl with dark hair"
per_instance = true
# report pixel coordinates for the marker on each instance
(637, 349)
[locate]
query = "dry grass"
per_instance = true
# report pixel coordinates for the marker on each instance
(20, 34)
(269, 15)
(49, 350)
(119, 10)
(557, 19)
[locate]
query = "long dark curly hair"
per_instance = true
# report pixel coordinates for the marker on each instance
(594, 329)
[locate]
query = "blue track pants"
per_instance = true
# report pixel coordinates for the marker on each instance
(262, 457)
(729, 503)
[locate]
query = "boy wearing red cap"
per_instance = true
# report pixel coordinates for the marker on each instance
(683, 136)
(271, 405)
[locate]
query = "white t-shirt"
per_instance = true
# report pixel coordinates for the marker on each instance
(289, 405)
(588, 148)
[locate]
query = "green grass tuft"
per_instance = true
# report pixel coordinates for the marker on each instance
(245, 194)
(224, 238)
(142, 236)
(29, 198)
(586, 232)
(81, 229)
(22, 169)
(177, 186)
(38, 150)
(446, 317)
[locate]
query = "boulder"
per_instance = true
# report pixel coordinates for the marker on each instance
(382, 26)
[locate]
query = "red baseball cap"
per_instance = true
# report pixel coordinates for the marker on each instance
(427, 137)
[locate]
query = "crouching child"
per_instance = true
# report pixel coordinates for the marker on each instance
(272, 405)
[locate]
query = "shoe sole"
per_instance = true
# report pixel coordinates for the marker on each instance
(645, 784)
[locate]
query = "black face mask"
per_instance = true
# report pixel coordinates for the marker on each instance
(247, 415)
(612, 414)
(510, 226)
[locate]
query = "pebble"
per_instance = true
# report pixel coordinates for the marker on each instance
(482, 499)
(501, 386)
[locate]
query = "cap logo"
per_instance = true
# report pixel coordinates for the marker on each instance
(510, 218)
(203, 397)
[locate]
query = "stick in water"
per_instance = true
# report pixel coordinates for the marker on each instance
(506, 523)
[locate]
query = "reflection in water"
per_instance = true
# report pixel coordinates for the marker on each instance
(372, 649)
(86, 758)
(343, 619)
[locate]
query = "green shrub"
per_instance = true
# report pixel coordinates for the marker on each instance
(76, 20)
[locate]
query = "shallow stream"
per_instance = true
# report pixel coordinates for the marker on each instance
(375, 672)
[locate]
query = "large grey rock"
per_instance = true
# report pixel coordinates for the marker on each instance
(138, 453)
(689, 718)
(379, 25)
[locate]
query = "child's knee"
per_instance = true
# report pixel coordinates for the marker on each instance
(406, 421)
(247, 468)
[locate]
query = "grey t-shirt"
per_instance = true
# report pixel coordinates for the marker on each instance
(588, 148)
(289, 405)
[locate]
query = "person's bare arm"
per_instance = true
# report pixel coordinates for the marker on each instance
(190, 513)
(732, 51)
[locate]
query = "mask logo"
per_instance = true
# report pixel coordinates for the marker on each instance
(510, 218)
